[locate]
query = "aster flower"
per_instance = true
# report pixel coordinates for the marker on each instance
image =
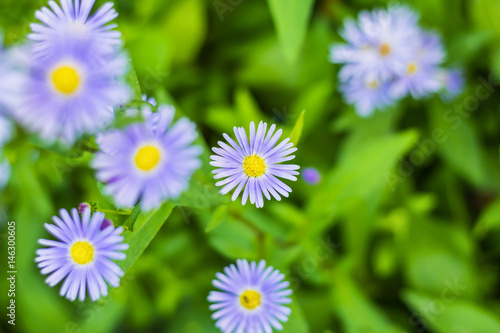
(72, 92)
(367, 95)
(380, 44)
(81, 255)
(311, 176)
(421, 76)
(253, 166)
(72, 21)
(151, 161)
(251, 298)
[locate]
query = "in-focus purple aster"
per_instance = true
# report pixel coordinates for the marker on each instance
(452, 83)
(251, 298)
(311, 176)
(82, 255)
(72, 21)
(150, 162)
(72, 92)
(367, 95)
(379, 45)
(254, 166)
(421, 77)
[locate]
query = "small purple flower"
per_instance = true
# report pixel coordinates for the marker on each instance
(255, 165)
(72, 21)
(251, 298)
(82, 255)
(151, 161)
(83, 206)
(311, 176)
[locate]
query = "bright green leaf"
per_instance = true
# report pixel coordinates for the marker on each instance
(291, 18)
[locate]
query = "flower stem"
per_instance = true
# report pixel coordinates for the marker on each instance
(114, 211)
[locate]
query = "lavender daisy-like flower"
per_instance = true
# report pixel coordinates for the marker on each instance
(72, 21)
(82, 255)
(72, 92)
(254, 166)
(150, 162)
(367, 95)
(251, 298)
(421, 76)
(379, 44)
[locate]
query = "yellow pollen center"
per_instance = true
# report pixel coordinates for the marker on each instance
(147, 158)
(373, 84)
(384, 50)
(412, 68)
(82, 252)
(254, 166)
(250, 299)
(66, 80)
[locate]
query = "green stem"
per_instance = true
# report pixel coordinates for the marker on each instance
(114, 211)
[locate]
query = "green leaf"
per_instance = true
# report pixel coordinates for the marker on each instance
(219, 216)
(297, 322)
(348, 299)
(248, 109)
(450, 313)
(146, 227)
(291, 18)
(458, 143)
(489, 219)
(201, 195)
(297, 129)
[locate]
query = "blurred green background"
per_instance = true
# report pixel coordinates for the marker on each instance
(401, 235)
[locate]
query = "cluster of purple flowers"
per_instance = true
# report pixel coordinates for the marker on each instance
(388, 56)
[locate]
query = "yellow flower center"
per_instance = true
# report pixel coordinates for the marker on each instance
(147, 158)
(250, 299)
(385, 49)
(254, 166)
(412, 68)
(66, 80)
(373, 84)
(82, 252)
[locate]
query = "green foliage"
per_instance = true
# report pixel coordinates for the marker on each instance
(400, 235)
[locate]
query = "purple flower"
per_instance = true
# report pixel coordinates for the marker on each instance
(253, 166)
(311, 176)
(367, 95)
(421, 76)
(151, 161)
(83, 206)
(72, 21)
(82, 255)
(379, 44)
(72, 92)
(251, 298)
